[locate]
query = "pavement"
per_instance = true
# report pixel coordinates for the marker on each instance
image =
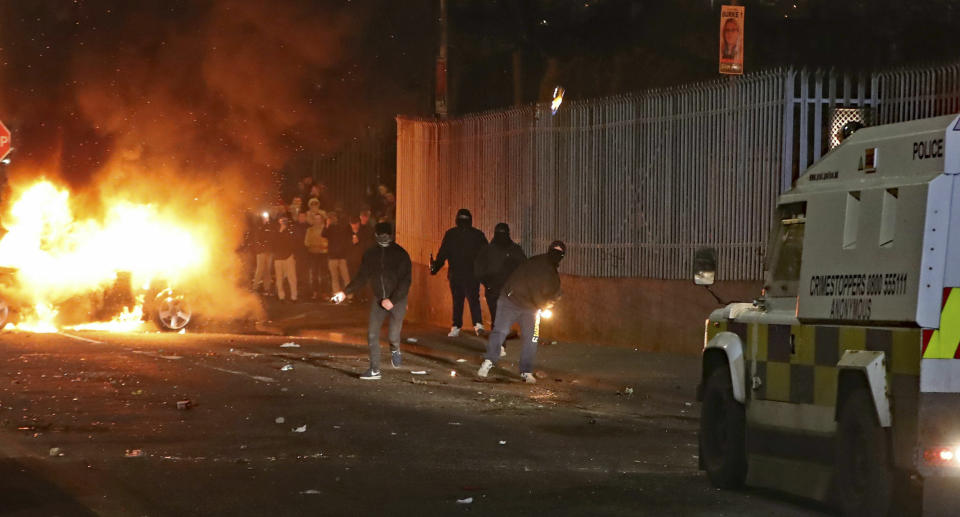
(281, 425)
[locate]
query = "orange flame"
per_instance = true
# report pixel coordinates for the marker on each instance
(57, 255)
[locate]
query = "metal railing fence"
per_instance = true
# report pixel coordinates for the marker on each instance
(634, 184)
(354, 170)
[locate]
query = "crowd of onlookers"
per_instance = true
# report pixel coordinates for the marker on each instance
(306, 247)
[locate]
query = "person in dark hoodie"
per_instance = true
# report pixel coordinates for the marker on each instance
(386, 268)
(494, 264)
(533, 287)
(284, 260)
(338, 236)
(460, 247)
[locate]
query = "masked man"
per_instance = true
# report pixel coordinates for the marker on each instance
(386, 268)
(494, 264)
(533, 286)
(460, 247)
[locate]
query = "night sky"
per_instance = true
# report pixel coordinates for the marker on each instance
(210, 85)
(204, 85)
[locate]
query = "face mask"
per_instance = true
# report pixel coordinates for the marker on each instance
(555, 256)
(501, 238)
(384, 239)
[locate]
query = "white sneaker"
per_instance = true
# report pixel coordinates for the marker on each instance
(485, 367)
(454, 332)
(503, 351)
(478, 328)
(528, 378)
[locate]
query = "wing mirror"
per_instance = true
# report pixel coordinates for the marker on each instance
(704, 266)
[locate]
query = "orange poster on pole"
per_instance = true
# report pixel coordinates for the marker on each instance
(731, 39)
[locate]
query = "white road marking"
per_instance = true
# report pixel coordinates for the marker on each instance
(80, 338)
(244, 374)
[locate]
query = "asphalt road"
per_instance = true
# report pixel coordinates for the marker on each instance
(89, 425)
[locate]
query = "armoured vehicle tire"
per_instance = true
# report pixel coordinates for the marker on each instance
(863, 472)
(722, 432)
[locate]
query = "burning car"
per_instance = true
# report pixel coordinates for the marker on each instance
(112, 270)
(118, 306)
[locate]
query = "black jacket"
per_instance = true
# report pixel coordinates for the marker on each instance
(534, 284)
(365, 239)
(284, 244)
(387, 270)
(339, 237)
(300, 237)
(460, 247)
(263, 238)
(495, 263)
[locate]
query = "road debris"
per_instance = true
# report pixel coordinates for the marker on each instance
(184, 404)
(411, 340)
(503, 442)
(628, 390)
(55, 451)
(133, 453)
(465, 501)
(310, 492)
(418, 372)
(454, 423)
(461, 360)
(290, 344)
(286, 368)
(301, 429)
(453, 373)
(280, 420)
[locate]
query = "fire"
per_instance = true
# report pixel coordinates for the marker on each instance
(127, 321)
(54, 255)
(40, 320)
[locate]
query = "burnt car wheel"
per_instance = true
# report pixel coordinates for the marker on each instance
(171, 311)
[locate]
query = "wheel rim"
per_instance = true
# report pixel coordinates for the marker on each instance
(173, 312)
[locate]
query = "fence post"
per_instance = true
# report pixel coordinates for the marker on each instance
(786, 170)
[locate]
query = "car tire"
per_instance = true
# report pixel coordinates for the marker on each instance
(722, 432)
(864, 476)
(171, 313)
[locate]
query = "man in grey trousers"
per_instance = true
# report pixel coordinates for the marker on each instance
(533, 286)
(386, 267)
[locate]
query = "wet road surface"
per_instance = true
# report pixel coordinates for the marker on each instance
(89, 425)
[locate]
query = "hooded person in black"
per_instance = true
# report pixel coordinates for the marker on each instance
(386, 268)
(460, 247)
(494, 264)
(533, 287)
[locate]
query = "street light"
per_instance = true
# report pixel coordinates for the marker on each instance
(557, 99)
